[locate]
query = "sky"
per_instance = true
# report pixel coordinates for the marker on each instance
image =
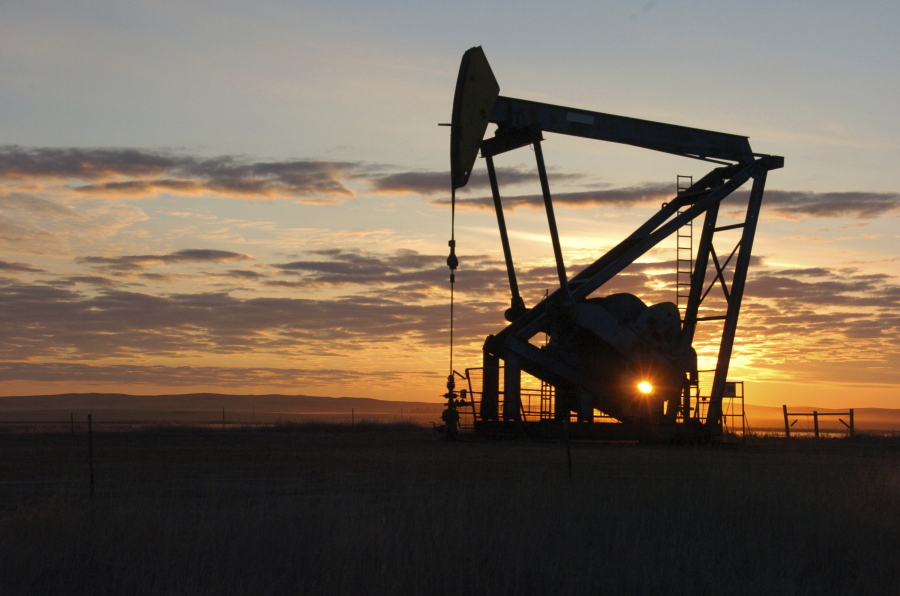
(253, 197)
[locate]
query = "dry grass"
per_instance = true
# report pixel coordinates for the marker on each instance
(395, 511)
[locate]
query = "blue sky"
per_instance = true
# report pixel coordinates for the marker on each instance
(247, 197)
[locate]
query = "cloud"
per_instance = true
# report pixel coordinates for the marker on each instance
(799, 204)
(30, 223)
(139, 262)
(125, 173)
(618, 197)
(242, 274)
(132, 173)
(790, 315)
(91, 280)
(187, 376)
(120, 324)
(336, 267)
(18, 267)
(432, 183)
(837, 289)
(786, 204)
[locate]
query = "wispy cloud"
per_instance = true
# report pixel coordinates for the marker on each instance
(40, 225)
(131, 173)
(786, 204)
(791, 314)
(340, 267)
(127, 173)
(431, 183)
(617, 197)
(862, 205)
(18, 267)
(189, 376)
(139, 262)
(120, 324)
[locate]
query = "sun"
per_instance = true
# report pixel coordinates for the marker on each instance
(645, 387)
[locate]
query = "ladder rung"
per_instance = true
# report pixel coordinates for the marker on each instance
(684, 241)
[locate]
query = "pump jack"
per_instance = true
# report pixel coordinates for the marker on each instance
(613, 354)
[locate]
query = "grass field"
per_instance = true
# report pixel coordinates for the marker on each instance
(393, 510)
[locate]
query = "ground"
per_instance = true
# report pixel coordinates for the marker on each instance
(394, 509)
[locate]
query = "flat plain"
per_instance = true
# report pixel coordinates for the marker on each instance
(392, 509)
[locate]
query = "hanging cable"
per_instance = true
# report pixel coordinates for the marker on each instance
(452, 263)
(450, 415)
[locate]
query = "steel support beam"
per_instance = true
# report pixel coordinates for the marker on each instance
(698, 279)
(714, 414)
(490, 387)
(551, 220)
(512, 388)
(669, 138)
(517, 305)
(623, 255)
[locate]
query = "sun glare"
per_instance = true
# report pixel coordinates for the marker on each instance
(645, 387)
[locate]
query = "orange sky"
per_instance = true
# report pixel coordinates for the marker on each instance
(258, 203)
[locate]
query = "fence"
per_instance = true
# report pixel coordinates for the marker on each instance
(815, 417)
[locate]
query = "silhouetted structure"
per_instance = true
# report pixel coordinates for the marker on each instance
(621, 368)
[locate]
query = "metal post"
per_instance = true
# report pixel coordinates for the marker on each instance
(787, 425)
(852, 427)
(551, 220)
(516, 303)
(686, 400)
(490, 387)
(512, 388)
(734, 303)
(816, 423)
(697, 280)
(564, 400)
(91, 452)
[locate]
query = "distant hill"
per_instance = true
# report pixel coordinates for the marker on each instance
(207, 407)
(193, 407)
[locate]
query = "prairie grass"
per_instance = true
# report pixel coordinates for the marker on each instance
(396, 511)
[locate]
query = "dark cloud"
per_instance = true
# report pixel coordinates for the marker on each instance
(341, 267)
(243, 274)
(790, 204)
(788, 314)
(92, 280)
(836, 290)
(129, 324)
(431, 183)
(806, 272)
(617, 197)
(18, 267)
(84, 164)
(863, 205)
(138, 262)
(130, 172)
(187, 376)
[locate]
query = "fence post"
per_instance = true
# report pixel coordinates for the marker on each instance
(816, 423)
(852, 427)
(91, 453)
(787, 425)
